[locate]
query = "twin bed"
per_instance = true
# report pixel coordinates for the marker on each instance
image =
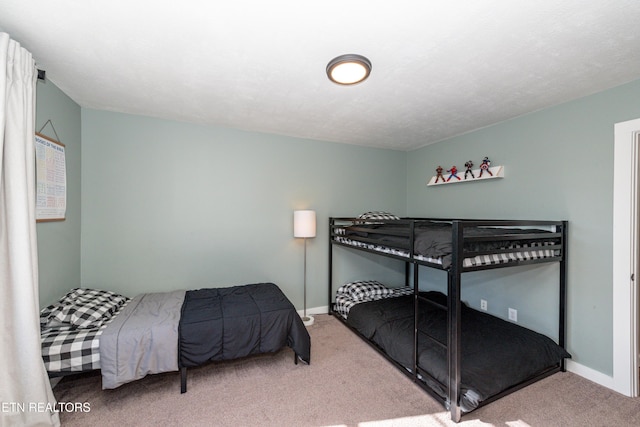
(463, 357)
(127, 339)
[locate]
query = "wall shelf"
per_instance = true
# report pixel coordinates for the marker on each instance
(498, 172)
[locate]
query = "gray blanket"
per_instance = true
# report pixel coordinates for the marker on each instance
(142, 339)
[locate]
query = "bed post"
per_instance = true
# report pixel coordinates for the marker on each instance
(416, 291)
(331, 221)
(183, 380)
(407, 270)
(416, 317)
(562, 321)
(454, 321)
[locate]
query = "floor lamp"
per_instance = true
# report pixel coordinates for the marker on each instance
(304, 226)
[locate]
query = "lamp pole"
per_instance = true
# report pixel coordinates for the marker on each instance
(304, 226)
(305, 318)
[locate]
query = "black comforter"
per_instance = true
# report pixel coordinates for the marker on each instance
(495, 354)
(229, 323)
(434, 239)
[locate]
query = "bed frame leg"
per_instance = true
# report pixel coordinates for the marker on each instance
(183, 380)
(456, 414)
(295, 357)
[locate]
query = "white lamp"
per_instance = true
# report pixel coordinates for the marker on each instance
(304, 226)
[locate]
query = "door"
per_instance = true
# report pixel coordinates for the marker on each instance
(626, 257)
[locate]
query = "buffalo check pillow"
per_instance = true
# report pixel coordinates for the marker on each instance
(363, 290)
(82, 308)
(378, 215)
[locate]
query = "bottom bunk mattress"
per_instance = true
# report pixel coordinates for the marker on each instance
(496, 354)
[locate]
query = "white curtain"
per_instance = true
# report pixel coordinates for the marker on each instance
(26, 398)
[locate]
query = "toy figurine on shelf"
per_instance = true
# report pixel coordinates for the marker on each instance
(484, 167)
(453, 173)
(469, 166)
(439, 174)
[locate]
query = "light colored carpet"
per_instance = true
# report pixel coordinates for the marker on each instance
(347, 384)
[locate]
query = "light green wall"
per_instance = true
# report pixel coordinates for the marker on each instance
(558, 165)
(59, 242)
(169, 205)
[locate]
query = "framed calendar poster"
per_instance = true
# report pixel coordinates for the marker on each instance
(51, 179)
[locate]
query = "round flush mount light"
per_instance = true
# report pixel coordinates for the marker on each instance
(348, 69)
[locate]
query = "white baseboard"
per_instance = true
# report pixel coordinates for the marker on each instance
(590, 374)
(315, 310)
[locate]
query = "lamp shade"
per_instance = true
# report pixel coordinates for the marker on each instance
(304, 223)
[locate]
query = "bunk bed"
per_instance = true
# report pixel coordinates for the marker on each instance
(463, 357)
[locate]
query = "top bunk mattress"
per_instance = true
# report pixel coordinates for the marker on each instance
(433, 241)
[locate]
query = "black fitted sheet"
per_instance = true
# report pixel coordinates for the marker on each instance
(496, 354)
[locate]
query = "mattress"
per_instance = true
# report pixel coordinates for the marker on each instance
(433, 242)
(215, 324)
(496, 354)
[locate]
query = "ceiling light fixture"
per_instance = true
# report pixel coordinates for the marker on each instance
(348, 69)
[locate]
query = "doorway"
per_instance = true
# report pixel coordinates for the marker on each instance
(626, 253)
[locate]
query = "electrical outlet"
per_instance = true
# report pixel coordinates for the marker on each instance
(483, 304)
(513, 314)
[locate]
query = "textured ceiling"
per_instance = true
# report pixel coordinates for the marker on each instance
(439, 68)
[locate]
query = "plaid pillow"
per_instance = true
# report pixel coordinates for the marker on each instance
(344, 304)
(82, 308)
(378, 215)
(365, 290)
(354, 293)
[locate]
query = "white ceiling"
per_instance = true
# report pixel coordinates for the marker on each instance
(440, 68)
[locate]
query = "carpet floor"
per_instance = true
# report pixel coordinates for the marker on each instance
(347, 384)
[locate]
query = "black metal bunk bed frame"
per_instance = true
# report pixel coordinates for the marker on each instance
(454, 272)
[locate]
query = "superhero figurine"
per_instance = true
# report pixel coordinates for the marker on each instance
(484, 167)
(439, 172)
(453, 173)
(469, 166)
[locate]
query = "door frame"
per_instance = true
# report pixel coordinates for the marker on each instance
(625, 256)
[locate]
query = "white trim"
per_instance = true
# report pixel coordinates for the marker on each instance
(315, 310)
(625, 222)
(590, 374)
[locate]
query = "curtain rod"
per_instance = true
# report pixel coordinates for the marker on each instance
(42, 75)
